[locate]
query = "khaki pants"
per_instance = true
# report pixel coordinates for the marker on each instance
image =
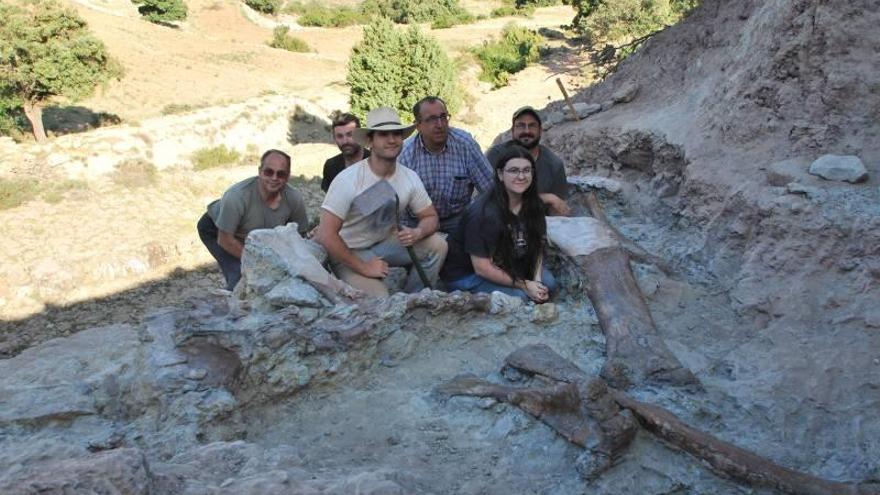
(430, 251)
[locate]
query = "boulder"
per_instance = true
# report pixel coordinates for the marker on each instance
(846, 168)
(584, 110)
(278, 263)
(625, 93)
(795, 169)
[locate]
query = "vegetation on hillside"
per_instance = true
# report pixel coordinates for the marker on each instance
(319, 15)
(162, 11)
(628, 23)
(282, 39)
(16, 191)
(413, 11)
(517, 48)
(47, 52)
(264, 6)
(396, 68)
(215, 156)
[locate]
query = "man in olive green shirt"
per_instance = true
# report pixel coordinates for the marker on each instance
(262, 202)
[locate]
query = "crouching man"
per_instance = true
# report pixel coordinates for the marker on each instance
(262, 202)
(360, 218)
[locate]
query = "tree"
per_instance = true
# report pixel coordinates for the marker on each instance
(398, 68)
(264, 6)
(46, 52)
(162, 11)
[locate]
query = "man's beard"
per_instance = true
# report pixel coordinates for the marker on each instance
(350, 150)
(534, 142)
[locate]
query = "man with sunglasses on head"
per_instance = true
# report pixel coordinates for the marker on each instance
(448, 160)
(262, 202)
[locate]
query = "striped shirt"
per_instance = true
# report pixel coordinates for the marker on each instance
(451, 175)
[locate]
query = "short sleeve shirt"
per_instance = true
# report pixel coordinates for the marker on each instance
(479, 234)
(550, 169)
(451, 175)
(358, 230)
(241, 210)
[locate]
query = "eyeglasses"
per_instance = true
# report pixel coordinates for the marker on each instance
(522, 126)
(434, 119)
(269, 173)
(518, 171)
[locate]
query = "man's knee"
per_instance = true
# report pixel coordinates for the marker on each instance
(433, 245)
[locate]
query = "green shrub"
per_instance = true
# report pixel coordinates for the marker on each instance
(264, 6)
(627, 19)
(417, 11)
(397, 68)
(216, 156)
(176, 108)
(517, 48)
(318, 15)
(162, 11)
(17, 191)
(135, 173)
(283, 40)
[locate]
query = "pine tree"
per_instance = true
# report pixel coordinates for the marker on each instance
(162, 11)
(397, 68)
(46, 51)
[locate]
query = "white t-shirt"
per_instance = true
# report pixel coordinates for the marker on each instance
(362, 229)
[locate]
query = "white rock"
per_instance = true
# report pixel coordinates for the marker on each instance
(625, 93)
(846, 168)
(502, 303)
(584, 110)
(296, 292)
(545, 313)
(586, 182)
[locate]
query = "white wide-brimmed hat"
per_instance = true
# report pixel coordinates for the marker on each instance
(382, 119)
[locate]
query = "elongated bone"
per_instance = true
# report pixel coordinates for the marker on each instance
(599, 403)
(636, 353)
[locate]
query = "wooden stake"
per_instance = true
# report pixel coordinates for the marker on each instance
(571, 109)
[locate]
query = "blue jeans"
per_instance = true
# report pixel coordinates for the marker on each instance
(476, 283)
(229, 264)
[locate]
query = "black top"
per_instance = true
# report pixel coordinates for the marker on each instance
(332, 167)
(479, 234)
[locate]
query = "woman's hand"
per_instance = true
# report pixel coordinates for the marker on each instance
(537, 291)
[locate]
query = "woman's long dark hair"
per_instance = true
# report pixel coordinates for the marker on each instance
(531, 214)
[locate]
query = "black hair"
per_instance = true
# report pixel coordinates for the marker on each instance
(428, 99)
(531, 215)
(277, 152)
(339, 118)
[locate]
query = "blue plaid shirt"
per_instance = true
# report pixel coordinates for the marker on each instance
(451, 175)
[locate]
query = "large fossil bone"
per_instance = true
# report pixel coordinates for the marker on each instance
(607, 425)
(635, 350)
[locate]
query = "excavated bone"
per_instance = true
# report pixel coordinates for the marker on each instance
(636, 353)
(613, 412)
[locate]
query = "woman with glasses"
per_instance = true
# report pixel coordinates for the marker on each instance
(499, 244)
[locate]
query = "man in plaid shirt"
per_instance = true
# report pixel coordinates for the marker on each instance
(448, 160)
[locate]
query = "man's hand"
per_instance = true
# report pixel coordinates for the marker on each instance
(375, 268)
(408, 236)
